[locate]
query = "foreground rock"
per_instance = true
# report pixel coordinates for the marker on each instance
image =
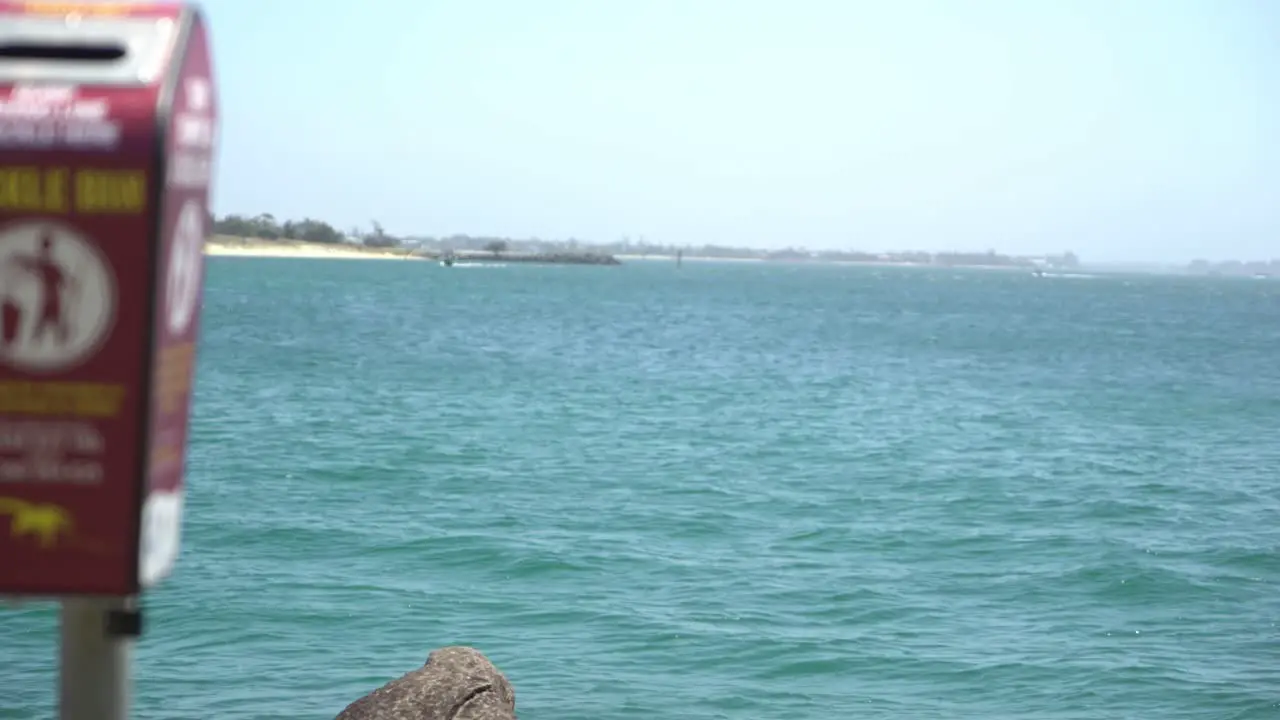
(457, 683)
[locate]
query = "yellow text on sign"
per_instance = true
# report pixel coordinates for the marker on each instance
(77, 399)
(33, 189)
(173, 376)
(172, 386)
(66, 8)
(164, 455)
(83, 192)
(110, 192)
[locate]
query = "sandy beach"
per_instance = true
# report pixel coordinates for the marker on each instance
(224, 245)
(241, 247)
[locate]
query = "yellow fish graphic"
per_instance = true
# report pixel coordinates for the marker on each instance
(43, 521)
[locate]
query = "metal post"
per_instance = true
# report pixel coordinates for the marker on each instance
(97, 649)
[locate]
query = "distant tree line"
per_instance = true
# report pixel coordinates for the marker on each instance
(265, 226)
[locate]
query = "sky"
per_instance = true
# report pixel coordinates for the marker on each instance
(1123, 130)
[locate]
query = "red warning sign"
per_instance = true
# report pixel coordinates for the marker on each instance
(101, 270)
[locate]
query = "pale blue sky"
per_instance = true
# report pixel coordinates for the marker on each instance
(1128, 129)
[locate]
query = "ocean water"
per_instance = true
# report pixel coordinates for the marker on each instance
(726, 491)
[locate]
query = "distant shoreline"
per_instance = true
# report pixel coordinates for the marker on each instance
(862, 263)
(228, 246)
(690, 258)
(225, 246)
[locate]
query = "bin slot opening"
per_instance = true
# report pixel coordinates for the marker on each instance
(62, 52)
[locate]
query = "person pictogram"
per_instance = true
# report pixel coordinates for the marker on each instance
(55, 283)
(57, 297)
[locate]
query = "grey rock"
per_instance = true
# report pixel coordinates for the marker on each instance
(456, 683)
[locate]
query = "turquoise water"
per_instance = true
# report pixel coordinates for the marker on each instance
(729, 491)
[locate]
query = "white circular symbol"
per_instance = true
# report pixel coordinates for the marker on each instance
(185, 262)
(57, 297)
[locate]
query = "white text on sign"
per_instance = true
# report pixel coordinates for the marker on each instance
(50, 452)
(49, 117)
(195, 134)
